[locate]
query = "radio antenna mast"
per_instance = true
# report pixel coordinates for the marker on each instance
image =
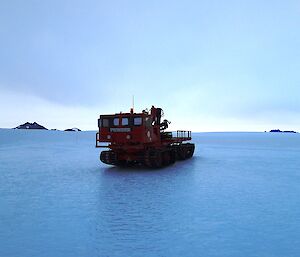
(132, 102)
(132, 108)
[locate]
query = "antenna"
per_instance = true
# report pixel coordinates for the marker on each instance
(132, 108)
(132, 102)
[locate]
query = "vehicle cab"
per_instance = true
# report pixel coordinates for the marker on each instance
(128, 128)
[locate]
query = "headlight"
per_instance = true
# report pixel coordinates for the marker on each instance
(108, 136)
(128, 136)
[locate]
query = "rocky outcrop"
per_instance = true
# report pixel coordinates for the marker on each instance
(73, 129)
(29, 125)
(279, 131)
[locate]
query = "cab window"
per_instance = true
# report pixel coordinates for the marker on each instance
(105, 123)
(116, 121)
(148, 121)
(124, 121)
(137, 121)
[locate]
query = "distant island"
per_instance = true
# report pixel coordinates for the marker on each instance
(29, 125)
(279, 131)
(73, 129)
(35, 125)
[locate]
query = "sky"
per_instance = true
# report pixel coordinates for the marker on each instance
(211, 65)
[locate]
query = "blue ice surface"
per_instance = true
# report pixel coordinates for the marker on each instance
(238, 196)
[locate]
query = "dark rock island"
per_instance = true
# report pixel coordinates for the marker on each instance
(29, 125)
(73, 129)
(279, 131)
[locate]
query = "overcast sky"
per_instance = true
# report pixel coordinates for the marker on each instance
(211, 65)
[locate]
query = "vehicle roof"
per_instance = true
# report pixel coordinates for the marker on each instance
(124, 114)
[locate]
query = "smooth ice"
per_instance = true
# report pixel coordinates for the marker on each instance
(238, 196)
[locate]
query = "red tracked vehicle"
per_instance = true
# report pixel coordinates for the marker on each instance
(140, 138)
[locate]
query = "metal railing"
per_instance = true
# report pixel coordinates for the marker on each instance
(98, 141)
(184, 134)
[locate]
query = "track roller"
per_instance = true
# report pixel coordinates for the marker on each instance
(109, 157)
